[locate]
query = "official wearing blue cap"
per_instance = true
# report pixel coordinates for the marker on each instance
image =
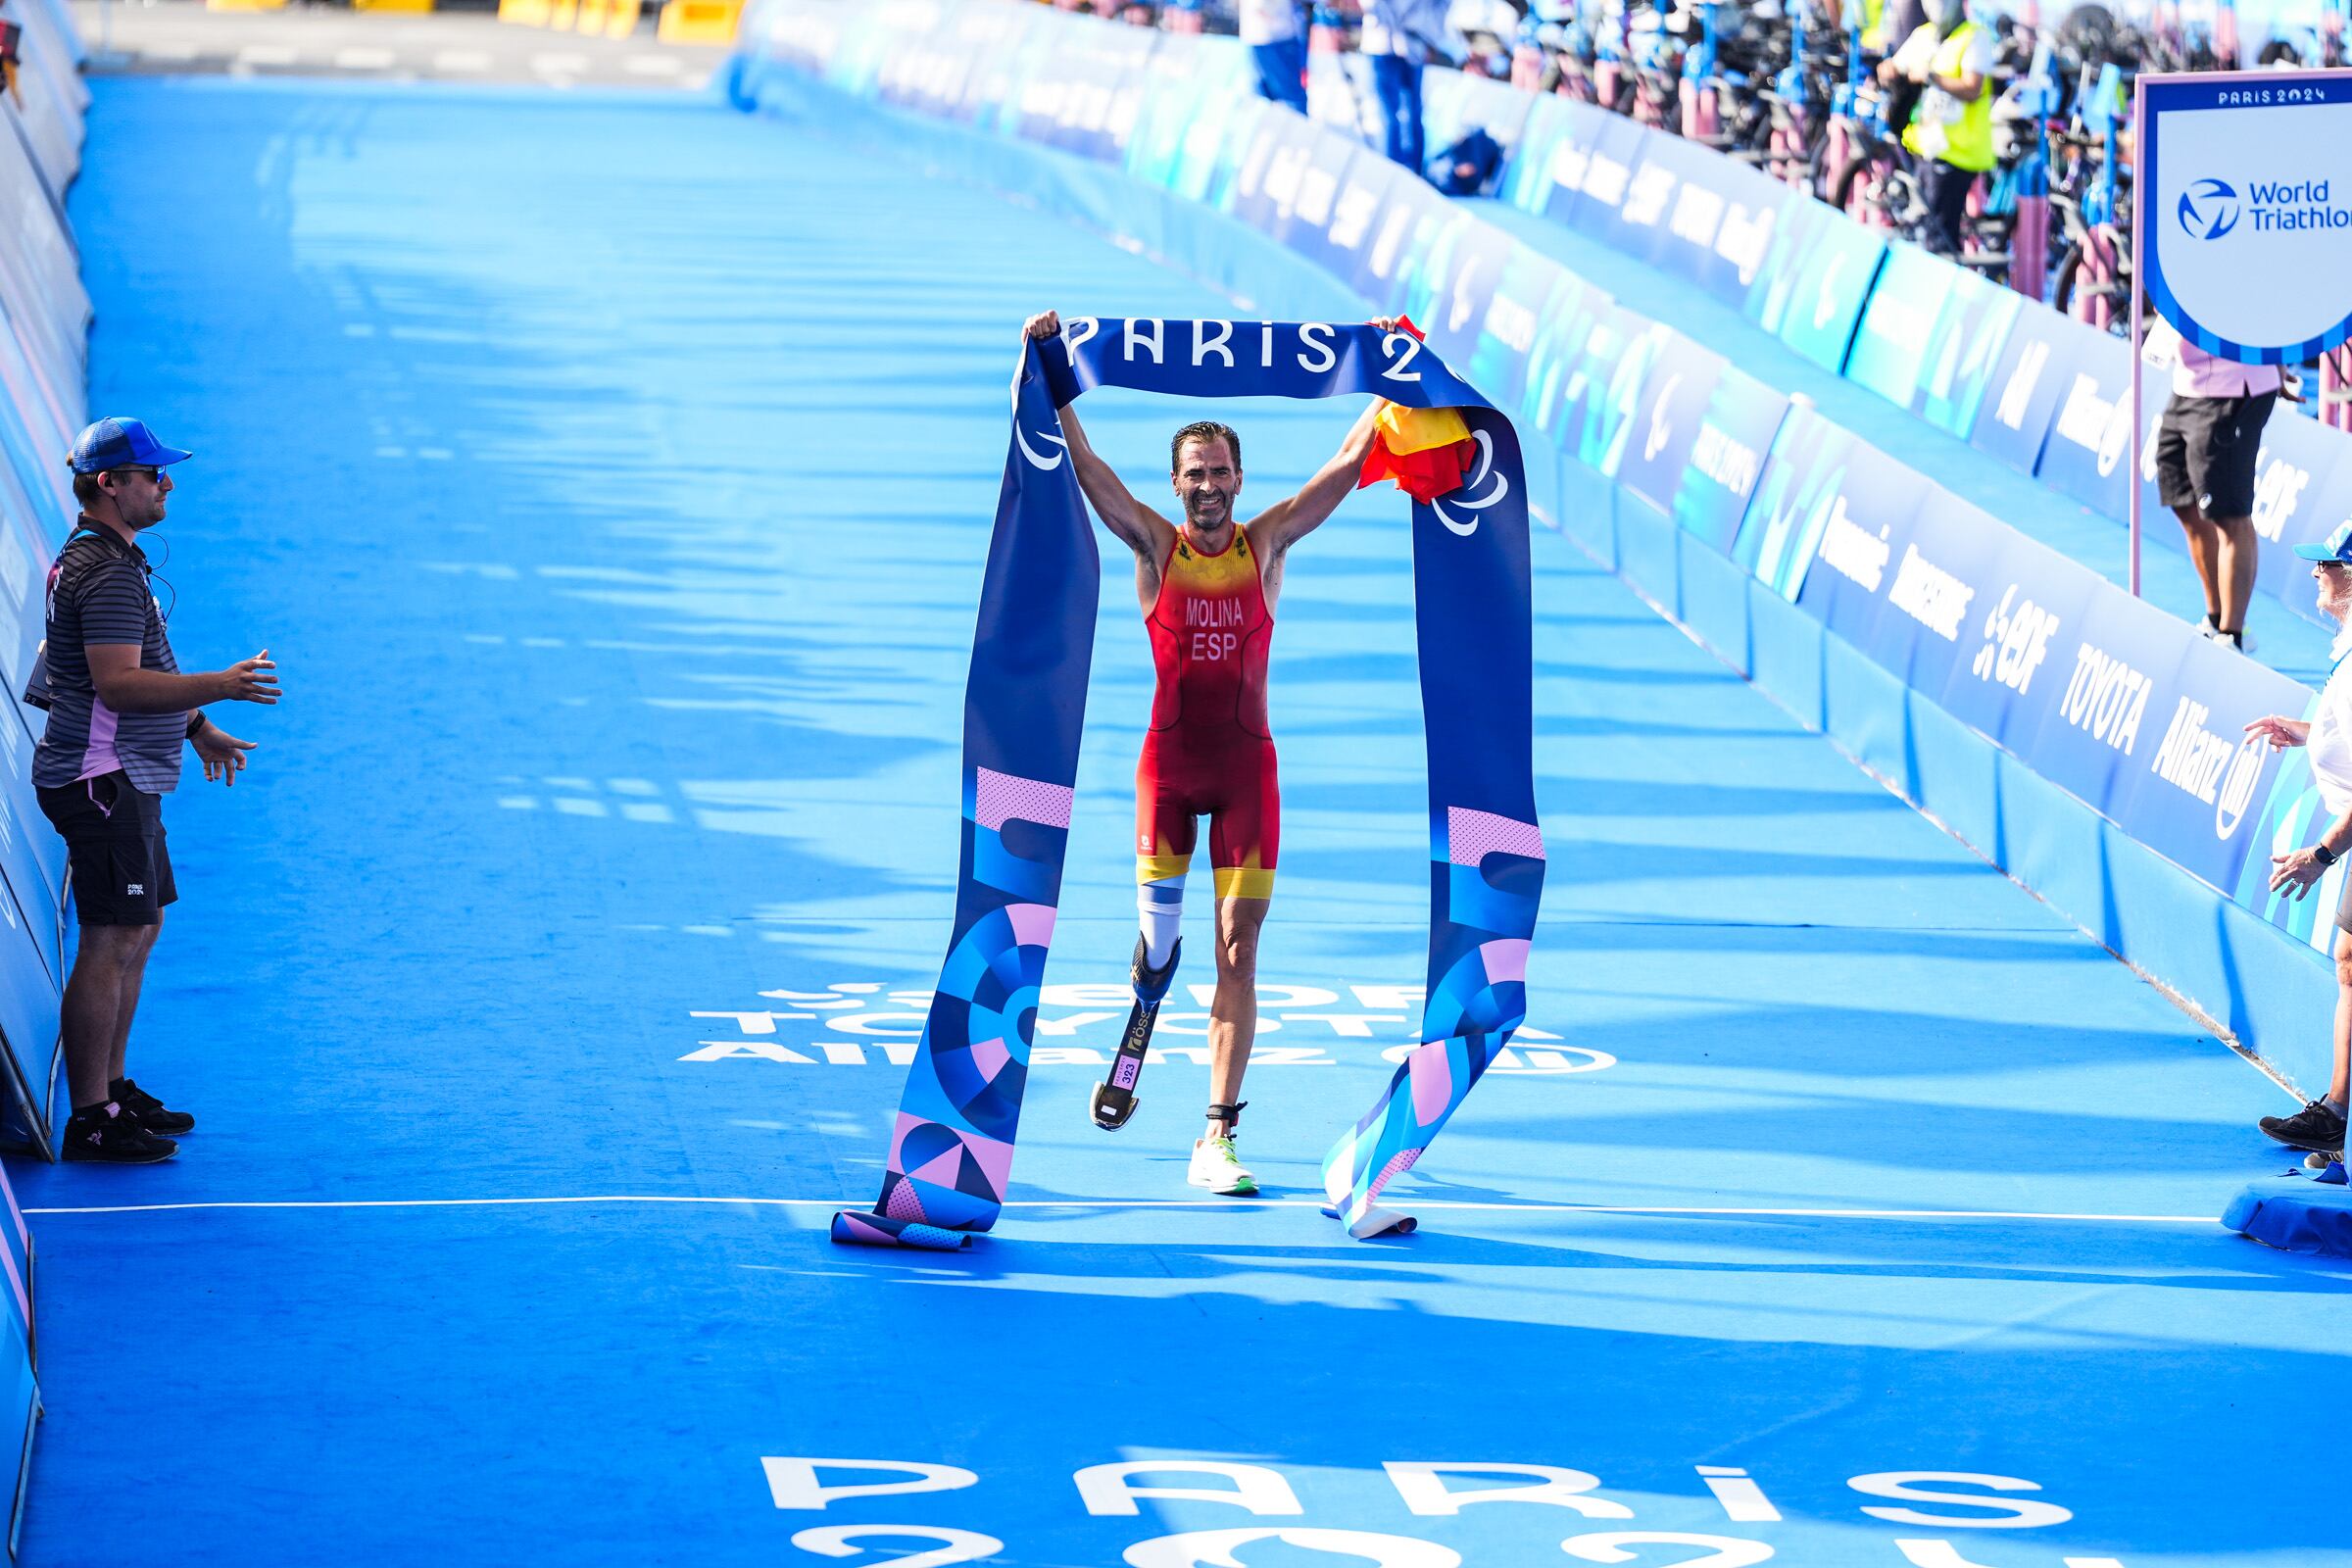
(119, 712)
(120, 443)
(2320, 1125)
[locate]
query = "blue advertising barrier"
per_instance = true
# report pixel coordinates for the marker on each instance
(2082, 741)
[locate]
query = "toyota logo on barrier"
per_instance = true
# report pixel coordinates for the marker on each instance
(2208, 208)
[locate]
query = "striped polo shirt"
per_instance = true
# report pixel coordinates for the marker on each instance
(98, 593)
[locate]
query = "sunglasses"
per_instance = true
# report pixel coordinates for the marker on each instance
(146, 472)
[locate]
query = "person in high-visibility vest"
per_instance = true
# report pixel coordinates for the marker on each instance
(1950, 132)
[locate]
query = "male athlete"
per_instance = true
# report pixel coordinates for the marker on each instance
(1207, 589)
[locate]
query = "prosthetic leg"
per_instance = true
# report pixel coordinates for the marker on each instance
(1115, 1098)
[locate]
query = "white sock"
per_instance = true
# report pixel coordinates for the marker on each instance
(1160, 905)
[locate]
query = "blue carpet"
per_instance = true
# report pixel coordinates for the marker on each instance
(610, 477)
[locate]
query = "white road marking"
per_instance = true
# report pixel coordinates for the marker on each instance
(363, 59)
(461, 60)
(170, 51)
(653, 64)
(1928, 1215)
(268, 54)
(560, 64)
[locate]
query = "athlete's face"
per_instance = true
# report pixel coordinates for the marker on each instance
(1206, 481)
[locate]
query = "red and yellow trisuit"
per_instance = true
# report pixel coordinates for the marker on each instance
(1210, 749)
(1209, 752)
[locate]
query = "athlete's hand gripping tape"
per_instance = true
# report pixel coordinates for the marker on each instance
(1115, 1098)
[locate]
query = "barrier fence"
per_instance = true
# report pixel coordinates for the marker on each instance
(2082, 740)
(44, 333)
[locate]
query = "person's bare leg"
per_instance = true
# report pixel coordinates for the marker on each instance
(1233, 1016)
(2205, 549)
(134, 975)
(92, 1010)
(2339, 1081)
(2240, 548)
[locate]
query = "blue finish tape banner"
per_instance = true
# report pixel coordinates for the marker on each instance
(951, 1149)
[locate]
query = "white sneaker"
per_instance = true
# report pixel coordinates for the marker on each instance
(1218, 1168)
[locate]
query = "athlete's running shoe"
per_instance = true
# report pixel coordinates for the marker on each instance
(2315, 1127)
(1218, 1168)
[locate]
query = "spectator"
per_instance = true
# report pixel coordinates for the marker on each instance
(1276, 34)
(1400, 36)
(1466, 167)
(119, 711)
(2320, 1125)
(1951, 59)
(2206, 447)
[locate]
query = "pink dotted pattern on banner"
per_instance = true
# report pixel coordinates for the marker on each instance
(903, 1205)
(1472, 836)
(1392, 1169)
(1003, 796)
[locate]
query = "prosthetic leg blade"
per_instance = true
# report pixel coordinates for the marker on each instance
(1115, 1099)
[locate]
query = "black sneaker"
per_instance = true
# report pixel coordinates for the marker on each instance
(149, 1111)
(2315, 1127)
(112, 1136)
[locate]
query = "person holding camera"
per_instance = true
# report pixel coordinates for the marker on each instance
(120, 710)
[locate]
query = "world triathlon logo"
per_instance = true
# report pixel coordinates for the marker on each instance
(2209, 209)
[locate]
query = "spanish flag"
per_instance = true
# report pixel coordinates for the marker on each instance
(1428, 452)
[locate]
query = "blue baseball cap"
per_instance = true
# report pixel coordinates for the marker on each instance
(115, 442)
(2336, 547)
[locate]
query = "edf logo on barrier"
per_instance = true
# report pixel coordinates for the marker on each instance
(2208, 208)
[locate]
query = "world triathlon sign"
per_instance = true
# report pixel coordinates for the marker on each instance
(2245, 233)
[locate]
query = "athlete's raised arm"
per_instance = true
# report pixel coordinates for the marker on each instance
(1292, 519)
(1286, 521)
(1137, 526)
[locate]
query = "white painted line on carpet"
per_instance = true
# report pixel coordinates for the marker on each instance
(462, 60)
(1929, 1215)
(653, 64)
(268, 54)
(363, 59)
(560, 64)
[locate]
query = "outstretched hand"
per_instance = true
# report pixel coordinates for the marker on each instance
(224, 754)
(2280, 731)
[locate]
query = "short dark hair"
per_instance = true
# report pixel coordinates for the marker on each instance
(1203, 431)
(86, 488)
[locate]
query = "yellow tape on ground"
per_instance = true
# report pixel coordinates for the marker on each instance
(699, 21)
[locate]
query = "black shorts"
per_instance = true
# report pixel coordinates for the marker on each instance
(2205, 452)
(114, 833)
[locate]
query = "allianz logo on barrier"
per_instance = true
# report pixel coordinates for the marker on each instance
(2212, 767)
(2210, 208)
(2106, 699)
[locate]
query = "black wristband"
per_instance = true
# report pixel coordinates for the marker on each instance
(196, 723)
(2322, 854)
